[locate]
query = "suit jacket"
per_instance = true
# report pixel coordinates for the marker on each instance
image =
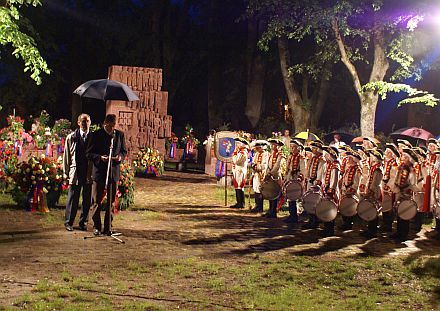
(99, 145)
(76, 166)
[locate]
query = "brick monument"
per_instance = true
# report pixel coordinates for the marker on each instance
(144, 122)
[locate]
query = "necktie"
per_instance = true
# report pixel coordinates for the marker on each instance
(84, 137)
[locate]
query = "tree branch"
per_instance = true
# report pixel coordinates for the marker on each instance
(345, 59)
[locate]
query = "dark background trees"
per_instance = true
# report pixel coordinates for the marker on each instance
(213, 70)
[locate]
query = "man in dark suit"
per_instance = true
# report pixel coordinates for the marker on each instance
(77, 170)
(98, 152)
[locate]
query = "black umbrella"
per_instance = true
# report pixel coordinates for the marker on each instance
(106, 89)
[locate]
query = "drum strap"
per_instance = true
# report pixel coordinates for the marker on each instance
(294, 163)
(388, 165)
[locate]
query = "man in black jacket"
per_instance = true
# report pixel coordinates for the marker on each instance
(77, 170)
(98, 152)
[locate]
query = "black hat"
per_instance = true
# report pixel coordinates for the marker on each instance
(411, 154)
(333, 151)
(297, 142)
(362, 148)
(419, 151)
(316, 144)
(354, 154)
(242, 140)
(431, 141)
(377, 153)
(404, 142)
(308, 148)
(275, 141)
(393, 148)
(370, 140)
(345, 148)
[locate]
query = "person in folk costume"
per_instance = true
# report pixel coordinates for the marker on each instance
(369, 143)
(405, 181)
(364, 165)
(239, 170)
(276, 169)
(421, 171)
(435, 192)
(295, 164)
(307, 155)
(373, 190)
(330, 183)
(390, 166)
(314, 175)
(349, 184)
(259, 167)
(344, 151)
(401, 144)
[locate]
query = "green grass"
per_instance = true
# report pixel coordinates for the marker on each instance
(265, 283)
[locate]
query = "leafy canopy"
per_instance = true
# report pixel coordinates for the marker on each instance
(23, 44)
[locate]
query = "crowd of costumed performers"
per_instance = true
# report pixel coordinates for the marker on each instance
(390, 189)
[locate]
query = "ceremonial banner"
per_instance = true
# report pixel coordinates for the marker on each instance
(224, 145)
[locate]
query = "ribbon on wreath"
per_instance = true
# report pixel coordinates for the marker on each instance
(219, 169)
(172, 151)
(18, 147)
(37, 198)
(189, 147)
(49, 149)
(150, 170)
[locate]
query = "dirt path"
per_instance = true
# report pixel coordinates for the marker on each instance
(179, 215)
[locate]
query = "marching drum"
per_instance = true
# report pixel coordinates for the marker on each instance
(326, 210)
(387, 202)
(310, 199)
(347, 206)
(368, 210)
(407, 209)
(270, 189)
(293, 190)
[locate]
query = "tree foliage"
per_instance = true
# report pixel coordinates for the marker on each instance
(13, 28)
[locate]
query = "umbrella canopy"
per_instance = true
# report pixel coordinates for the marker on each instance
(345, 137)
(412, 132)
(306, 136)
(106, 89)
(360, 139)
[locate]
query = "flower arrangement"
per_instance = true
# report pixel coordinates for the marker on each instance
(190, 143)
(8, 161)
(125, 193)
(171, 145)
(149, 162)
(39, 181)
(41, 133)
(189, 137)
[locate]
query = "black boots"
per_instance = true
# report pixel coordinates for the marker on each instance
(239, 196)
(258, 203)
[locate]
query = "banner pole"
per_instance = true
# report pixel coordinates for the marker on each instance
(226, 183)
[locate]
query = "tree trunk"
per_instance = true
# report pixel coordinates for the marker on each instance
(255, 74)
(368, 100)
(368, 113)
(301, 115)
(319, 99)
